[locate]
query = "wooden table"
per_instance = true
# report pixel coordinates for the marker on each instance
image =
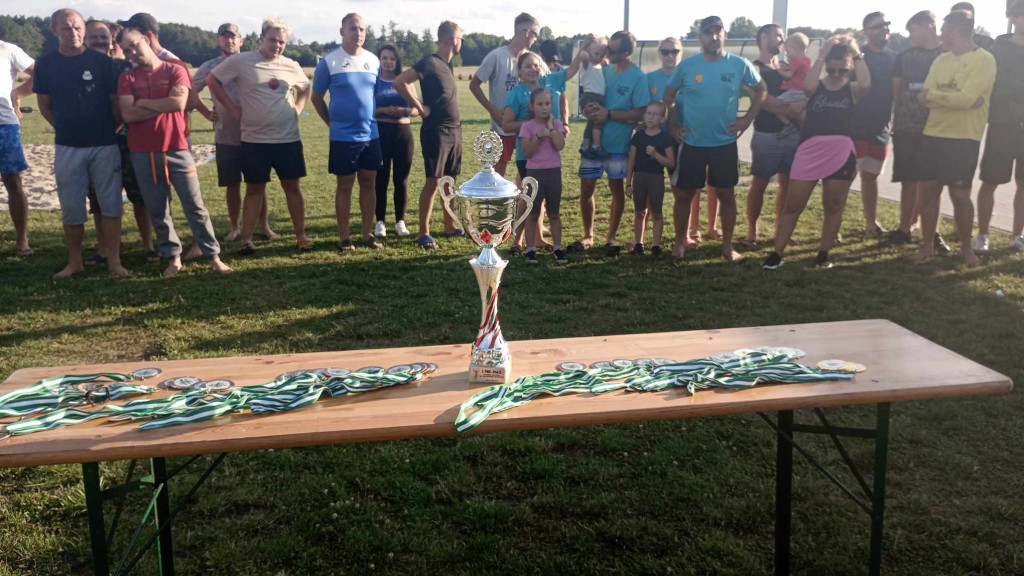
(901, 366)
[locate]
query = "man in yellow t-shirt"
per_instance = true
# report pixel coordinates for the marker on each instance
(957, 93)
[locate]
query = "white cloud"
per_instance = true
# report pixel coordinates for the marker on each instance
(649, 19)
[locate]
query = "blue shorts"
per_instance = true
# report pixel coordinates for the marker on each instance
(614, 165)
(347, 158)
(12, 157)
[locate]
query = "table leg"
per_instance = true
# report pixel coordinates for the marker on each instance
(783, 491)
(94, 509)
(878, 494)
(164, 546)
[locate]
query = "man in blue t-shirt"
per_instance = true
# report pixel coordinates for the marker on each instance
(350, 73)
(77, 91)
(711, 83)
(626, 97)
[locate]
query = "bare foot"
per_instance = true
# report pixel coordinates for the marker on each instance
(69, 271)
(628, 246)
(749, 242)
(678, 251)
(690, 244)
(219, 266)
(268, 234)
(193, 252)
(233, 235)
(694, 237)
(173, 268)
(922, 255)
(118, 271)
(731, 255)
(971, 258)
(715, 234)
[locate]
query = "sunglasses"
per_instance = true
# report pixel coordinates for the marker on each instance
(665, 52)
(836, 71)
(882, 25)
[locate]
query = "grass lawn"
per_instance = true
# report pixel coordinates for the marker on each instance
(681, 497)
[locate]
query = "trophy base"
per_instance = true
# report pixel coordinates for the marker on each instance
(490, 374)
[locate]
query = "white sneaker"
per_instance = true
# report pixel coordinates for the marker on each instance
(400, 229)
(1018, 243)
(379, 230)
(981, 243)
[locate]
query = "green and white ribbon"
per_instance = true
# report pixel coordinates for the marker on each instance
(693, 375)
(68, 391)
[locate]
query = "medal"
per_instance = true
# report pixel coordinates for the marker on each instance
(400, 369)
(144, 373)
(621, 363)
(218, 385)
(570, 367)
(180, 383)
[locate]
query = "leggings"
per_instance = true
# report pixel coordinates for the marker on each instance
(397, 147)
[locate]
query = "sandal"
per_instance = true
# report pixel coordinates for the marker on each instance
(247, 249)
(371, 242)
(457, 234)
(95, 260)
(746, 242)
(516, 250)
(345, 246)
(576, 247)
(306, 245)
(611, 249)
(426, 242)
(24, 253)
(151, 257)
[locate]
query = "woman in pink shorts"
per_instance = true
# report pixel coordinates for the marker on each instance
(826, 151)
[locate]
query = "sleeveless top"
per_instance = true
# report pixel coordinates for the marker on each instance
(829, 112)
(766, 121)
(386, 95)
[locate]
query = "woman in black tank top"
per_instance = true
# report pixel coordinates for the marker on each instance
(826, 148)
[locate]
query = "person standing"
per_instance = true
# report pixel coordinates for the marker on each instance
(871, 117)
(273, 90)
(711, 83)
(981, 40)
(957, 93)
(77, 92)
(351, 73)
(1004, 144)
(148, 26)
(909, 118)
(774, 144)
(152, 98)
(12, 156)
(498, 70)
(626, 97)
(441, 133)
(227, 132)
(826, 151)
(553, 60)
(397, 146)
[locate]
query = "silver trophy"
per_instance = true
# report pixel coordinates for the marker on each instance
(490, 204)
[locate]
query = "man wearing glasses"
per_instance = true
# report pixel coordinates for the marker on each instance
(871, 117)
(499, 69)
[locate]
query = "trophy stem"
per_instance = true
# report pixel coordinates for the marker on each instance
(490, 362)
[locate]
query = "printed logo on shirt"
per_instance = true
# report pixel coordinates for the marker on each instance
(699, 78)
(366, 66)
(510, 82)
(87, 76)
(274, 83)
(622, 90)
(347, 64)
(728, 77)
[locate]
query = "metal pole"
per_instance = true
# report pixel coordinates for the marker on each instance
(94, 509)
(780, 12)
(164, 546)
(783, 491)
(625, 16)
(878, 502)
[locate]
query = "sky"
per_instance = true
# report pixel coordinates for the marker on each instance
(649, 19)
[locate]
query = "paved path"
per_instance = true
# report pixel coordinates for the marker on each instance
(1002, 216)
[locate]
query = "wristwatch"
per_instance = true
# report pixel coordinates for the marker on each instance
(859, 56)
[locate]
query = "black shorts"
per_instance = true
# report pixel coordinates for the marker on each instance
(229, 165)
(549, 190)
(442, 150)
(1004, 147)
(717, 166)
(949, 161)
(847, 171)
(908, 156)
(346, 158)
(286, 159)
(521, 168)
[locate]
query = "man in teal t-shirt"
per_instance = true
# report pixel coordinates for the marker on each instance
(626, 96)
(711, 83)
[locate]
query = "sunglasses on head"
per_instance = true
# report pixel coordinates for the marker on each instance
(836, 71)
(667, 52)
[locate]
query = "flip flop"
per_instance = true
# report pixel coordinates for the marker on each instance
(151, 256)
(24, 253)
(306, 246)
(371, 242)
(457, 234)
(516, 250)
(748, 243)
(426, 242)
(576, 247)
(612, 250)
(247, 249)
(95, 260)
(345, 246)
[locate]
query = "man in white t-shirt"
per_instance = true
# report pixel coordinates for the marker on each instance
(499, 69)
(12, 157)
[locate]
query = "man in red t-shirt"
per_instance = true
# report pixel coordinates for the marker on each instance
(152, 99)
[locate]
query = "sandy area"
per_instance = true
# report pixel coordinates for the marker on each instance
(39, 182)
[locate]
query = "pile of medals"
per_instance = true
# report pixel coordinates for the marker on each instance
(195, 399)
(738, 369)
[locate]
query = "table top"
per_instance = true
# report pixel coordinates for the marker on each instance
(901, 366)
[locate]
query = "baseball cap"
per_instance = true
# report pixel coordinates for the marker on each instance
(227, 28)
(142, 22)
(549, 51)
(711, 22)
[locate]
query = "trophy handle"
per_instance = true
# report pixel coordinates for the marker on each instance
(529, 184)
(446, 186)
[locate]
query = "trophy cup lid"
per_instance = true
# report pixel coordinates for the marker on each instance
(487, 183)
